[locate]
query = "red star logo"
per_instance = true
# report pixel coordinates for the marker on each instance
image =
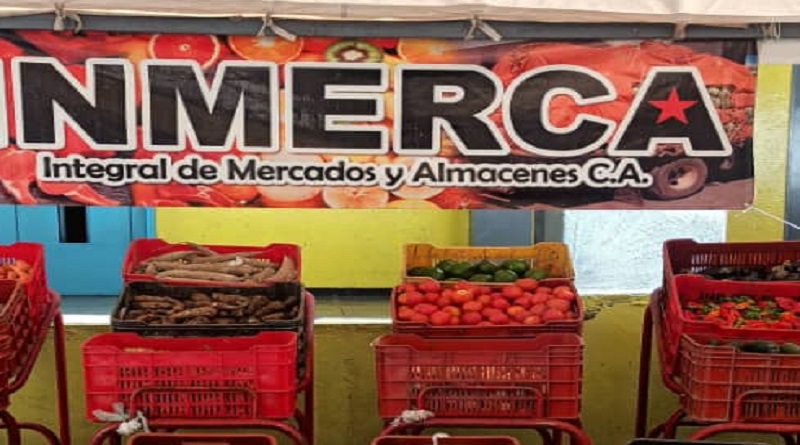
(673, 107)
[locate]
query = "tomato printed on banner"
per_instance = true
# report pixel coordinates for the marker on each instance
(374, 123)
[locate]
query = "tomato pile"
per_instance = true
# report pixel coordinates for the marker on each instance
(525, 302)
(746, 312)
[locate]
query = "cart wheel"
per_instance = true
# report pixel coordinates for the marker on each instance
(678, 179)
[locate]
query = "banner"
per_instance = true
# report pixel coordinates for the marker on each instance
(198, 120)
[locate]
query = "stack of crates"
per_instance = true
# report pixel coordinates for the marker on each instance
(722, 372)
(221, 372)
(27, 308)
(507, 371)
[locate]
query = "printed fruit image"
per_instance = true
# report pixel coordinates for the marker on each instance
(427, 51)
(286, 196)
(239, 193)
(353, 51)
(355, 197)
(409, 192)
(412, 204)
(453, 198)
(467, 304)
(267, 49)
(483, 271)
(205, 49)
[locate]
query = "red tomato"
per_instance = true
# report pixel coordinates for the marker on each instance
(552, 315)
(426, 308)
(499, 319)
(514, 310)
(539, 298)
(414, 298)
(538, 309)
(472, 306)
(489, 311)
(429, 286)
(512, 292)
(471, 318)
(544, 290)
(484, 299)
(521, 316)
(405, 313)
(408, 287)
(432, 297)
(558, 304)
(525, 302)
(532, 320)
(443, 301)
(501, 304)
(420, 318)
(462, 296)
(528, 284)
(440, 318)
(452, 310)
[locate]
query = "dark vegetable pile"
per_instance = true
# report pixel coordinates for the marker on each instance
(787, 271)
(154, 304)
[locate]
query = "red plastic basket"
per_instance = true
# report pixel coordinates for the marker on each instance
(682, 256)
(36, 285)
(494, 331)
(201, 439)
(189, 378)
(142, 249)
(722, 384)
(690, 288)
(502, 378)
(464, 440)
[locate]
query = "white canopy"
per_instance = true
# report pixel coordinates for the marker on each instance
(709, 12)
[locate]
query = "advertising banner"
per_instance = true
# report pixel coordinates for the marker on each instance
(241, 121)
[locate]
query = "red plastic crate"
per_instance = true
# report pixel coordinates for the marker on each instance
(495, 331)
(189, 378)
(689, 288)
(201, 439)
(20, 332)
(463, 440)
(503, 378)
(683, 256)
(722, 384)
(36, 286)
(144, 248)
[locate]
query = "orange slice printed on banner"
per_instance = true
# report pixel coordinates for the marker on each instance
(204, 49)
(427, 51)
(268, 49)
(355, 197)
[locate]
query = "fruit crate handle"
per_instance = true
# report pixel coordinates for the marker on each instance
(738, 401)
(535, 394)
(141, 392)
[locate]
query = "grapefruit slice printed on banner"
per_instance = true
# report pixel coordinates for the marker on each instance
(268, 49)
(427, 51)
(355, 197)
(204, 49)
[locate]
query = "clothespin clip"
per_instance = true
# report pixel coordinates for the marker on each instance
(477, 24)
(679, 31)
(268, 23)
(62, 15)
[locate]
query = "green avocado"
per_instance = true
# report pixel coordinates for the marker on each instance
(430, 272)
(461, 270)
(505, 276)
(790, 348)
(759, 347)
(446, 265)
(481, 278)
(487, 267)
(536, 274)
(519, 267)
